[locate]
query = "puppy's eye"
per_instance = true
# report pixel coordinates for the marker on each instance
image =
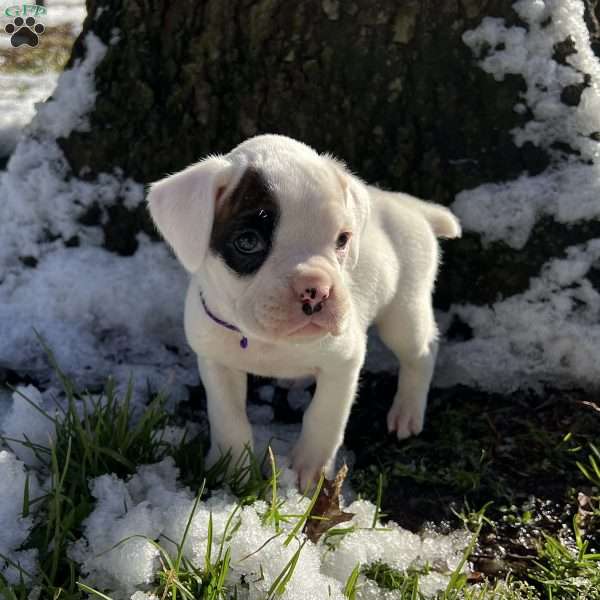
(249, 242)
(342, 240)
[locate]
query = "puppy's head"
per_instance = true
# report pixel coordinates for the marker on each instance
(270, 230)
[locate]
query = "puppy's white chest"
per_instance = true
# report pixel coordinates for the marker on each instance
(267, 360)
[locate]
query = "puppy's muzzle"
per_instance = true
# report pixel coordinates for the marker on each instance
(312, 291)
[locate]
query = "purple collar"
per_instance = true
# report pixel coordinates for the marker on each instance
(243, 341)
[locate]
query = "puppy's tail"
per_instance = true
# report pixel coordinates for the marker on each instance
(442, 221)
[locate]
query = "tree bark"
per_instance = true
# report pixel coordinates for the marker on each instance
(390, 87)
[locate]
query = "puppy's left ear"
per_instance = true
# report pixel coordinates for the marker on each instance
(183, 206)
(357, 199)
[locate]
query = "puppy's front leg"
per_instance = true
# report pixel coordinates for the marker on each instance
(324, 423)
(226, 403)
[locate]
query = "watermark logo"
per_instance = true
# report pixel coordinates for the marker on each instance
(25, 28)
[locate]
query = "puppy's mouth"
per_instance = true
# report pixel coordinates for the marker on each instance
(318, 325)
(308, 329)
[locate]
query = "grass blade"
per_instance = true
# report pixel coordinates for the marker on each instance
(350, 587)
(300, 524)
(90, 590)
(278, 586)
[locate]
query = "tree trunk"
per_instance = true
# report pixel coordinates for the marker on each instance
(390, 87)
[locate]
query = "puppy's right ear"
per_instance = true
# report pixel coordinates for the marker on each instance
(183, 207)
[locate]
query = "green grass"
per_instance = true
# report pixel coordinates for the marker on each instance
(568, 573)
(99, 440)
(406, 582)
(96, 434)
(93, 436)
(533, 459)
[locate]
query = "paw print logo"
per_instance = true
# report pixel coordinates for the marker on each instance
(24, 32)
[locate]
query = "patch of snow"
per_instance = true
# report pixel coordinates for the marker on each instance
(266, 393)
(139, 595)
(95, 309)
(99, 313)
(37, 197)
(509, 211)
(14, 526)
(259, 414)
(569, 191)
(74, 96)
(299, 397)
(60, 12)
(153, 505)
(29, 418)
(114, 561)
(548, 335)
(279, 436)
(529, 53)
(173, 435)
(19, 94)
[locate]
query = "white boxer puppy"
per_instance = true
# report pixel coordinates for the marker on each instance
(291, 259)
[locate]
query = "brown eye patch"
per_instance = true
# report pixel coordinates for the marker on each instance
(245, 220)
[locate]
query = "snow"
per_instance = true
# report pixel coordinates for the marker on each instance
(396, 547)
(550, 333)
(29, 418)
(529, 53)
(80, 301)
(299, 396)
(74, 96)
(131, 519)
(19, 94)
(153, 505)
(569, 191)
(99, 312)
(508, 211)
(61, 12)
(14, 527)
(34, 191)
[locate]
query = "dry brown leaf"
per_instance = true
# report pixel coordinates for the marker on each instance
(475, 577)
(326, 513)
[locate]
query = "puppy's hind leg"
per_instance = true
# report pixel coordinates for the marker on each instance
(411, 334)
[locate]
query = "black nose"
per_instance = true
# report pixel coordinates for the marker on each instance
(307, 309)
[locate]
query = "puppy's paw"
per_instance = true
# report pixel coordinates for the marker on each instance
(405, 419)
(308, 463)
